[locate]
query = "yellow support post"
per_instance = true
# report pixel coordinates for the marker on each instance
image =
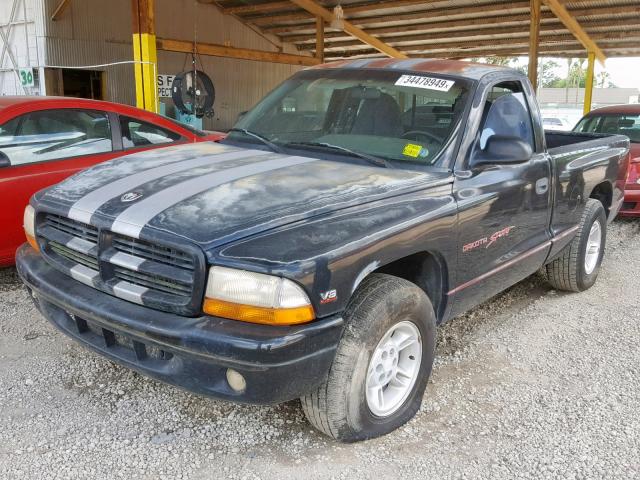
(534, 43)
(144, 51)
(588, 88)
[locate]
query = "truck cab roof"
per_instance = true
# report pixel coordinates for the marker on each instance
(470, 70)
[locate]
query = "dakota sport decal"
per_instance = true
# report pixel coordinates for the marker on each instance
(488, 241)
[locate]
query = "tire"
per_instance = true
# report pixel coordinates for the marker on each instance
(569, 271)
(381, 304)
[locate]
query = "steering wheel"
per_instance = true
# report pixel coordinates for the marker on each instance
(418, 133)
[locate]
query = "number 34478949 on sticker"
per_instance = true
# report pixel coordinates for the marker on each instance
(429, 83)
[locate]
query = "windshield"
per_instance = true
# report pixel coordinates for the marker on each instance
(628, 125)
(388, 115)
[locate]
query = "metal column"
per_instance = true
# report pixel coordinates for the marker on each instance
(144, 52)
(588, 88)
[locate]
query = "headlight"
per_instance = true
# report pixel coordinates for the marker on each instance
(255, 297)
(29, 225)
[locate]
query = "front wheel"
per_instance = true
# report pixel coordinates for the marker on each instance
(382, 365)
(577, 267)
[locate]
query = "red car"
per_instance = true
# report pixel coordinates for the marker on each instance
(43, 140)
(625, 120)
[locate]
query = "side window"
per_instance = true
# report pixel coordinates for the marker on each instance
(506, 113)
(55, 134)
(589, 125)
(136, 133)
(428, 113)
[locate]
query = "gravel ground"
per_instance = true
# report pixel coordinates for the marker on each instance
(532, 384)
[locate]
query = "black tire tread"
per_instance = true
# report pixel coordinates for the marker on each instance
(324, 410)
(562, 272)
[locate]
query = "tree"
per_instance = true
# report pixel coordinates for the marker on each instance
(576, 75)
(547, 73)
(510, 62)
(603, 80)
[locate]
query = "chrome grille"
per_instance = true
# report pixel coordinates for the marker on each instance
(74, 255)
(156, 275)
(156, 282)
(75, 241)
(156, 253)
(71, 227)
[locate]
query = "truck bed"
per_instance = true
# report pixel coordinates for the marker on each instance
(556, 140)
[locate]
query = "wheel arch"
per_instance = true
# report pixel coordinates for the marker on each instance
(426, 269)
(603, 192)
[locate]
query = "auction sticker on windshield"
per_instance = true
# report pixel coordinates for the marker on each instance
(425, 82)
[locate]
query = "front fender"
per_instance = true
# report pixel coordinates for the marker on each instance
(336, 251)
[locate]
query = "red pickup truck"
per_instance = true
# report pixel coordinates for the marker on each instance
(43, 140)
(623, 120)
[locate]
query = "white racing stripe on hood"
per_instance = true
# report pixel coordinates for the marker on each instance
(133, 219)
(83, 209)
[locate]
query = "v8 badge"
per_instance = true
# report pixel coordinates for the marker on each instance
(328, 296)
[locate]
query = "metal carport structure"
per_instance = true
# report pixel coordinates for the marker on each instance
(595, 29)
(454, 28)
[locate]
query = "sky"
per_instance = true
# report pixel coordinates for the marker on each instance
(625, 72)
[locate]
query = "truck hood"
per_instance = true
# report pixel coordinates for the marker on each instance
(212, 193)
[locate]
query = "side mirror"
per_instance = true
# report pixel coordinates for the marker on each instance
(4, 160)
(503, 150)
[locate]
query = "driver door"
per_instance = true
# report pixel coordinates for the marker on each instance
(503, 208)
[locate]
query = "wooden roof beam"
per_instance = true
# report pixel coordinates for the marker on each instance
(427, 17)
(348, 9)
(62, 6)
(462, 26)
(575, 28)
(472, 35)
(631, 38)
(319, 11)
(216, 50)
(565, 50)
(258, 8)
(483, 7)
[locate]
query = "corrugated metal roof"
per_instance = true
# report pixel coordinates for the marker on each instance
(450, 28)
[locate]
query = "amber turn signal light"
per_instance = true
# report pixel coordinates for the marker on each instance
(251, 314)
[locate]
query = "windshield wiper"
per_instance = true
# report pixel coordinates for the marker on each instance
(262, 138)
(377, 161)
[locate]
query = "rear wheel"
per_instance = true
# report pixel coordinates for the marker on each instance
(382, 365)
(577, 267)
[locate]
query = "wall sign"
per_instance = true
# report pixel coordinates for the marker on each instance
(164, 85)
(26, 77)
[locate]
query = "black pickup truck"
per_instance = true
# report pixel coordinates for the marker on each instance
(313, 252)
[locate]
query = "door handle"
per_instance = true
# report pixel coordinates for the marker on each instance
(542, 185)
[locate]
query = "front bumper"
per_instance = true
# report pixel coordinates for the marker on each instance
(631, 205)
(278, 363)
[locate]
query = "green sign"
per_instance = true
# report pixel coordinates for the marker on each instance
(26, 77)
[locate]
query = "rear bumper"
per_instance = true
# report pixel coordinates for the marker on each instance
(631, 205)
(278, 363)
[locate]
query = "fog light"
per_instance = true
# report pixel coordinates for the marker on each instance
(236, 381)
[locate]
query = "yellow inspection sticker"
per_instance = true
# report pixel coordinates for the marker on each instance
(412, 150)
